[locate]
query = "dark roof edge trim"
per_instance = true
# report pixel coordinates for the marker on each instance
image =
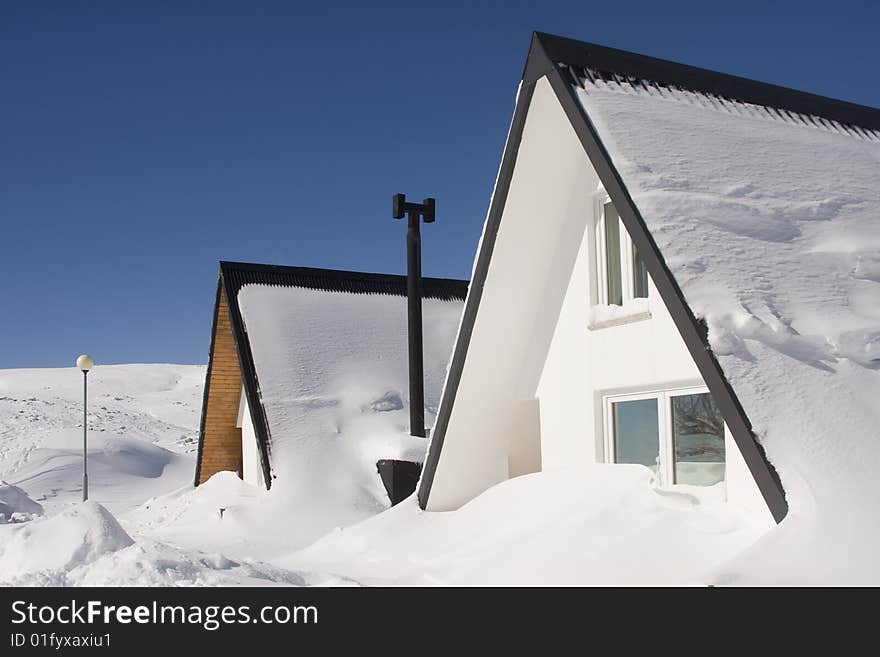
(561, 50)
(475, 293)
(238, 274)
(248, 376)
(689, 327)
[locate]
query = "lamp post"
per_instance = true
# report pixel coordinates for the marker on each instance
(85, 363)
(415, 212)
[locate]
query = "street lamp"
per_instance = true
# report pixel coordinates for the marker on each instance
(85, 363)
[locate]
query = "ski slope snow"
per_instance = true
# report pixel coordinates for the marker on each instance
(143, 432)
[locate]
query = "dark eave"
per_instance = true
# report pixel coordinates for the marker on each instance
(334, 280)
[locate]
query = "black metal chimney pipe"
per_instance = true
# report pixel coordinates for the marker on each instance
(415, 213)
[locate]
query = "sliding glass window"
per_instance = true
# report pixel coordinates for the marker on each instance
(677, 433)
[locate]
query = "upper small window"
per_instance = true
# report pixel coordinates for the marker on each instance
(621, 272)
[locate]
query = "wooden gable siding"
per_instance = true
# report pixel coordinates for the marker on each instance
(221, 439)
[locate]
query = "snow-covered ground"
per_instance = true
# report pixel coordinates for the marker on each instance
(146, 525)
(143, 432)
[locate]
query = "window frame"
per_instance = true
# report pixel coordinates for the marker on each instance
(663, 395)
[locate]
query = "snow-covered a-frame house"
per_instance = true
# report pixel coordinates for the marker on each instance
(679, 269)
(307, 378)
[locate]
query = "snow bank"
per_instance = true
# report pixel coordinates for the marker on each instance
(194, 506)
(771, 226)
(152, 563)
(86, 546)
(74, 537)
(15, 505)
(333, 376)
(608, 526)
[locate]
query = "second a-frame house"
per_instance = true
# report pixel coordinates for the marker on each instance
(306, 385)
(679, 269)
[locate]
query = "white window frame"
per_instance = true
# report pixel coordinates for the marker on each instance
(666, 466)
(626, 256)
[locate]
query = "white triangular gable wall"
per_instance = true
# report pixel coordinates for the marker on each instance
(531, 337)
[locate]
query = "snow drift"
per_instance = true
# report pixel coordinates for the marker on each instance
(72, 538)
(143, 421)
(607, 526)
(333, 375)
(16, 505)
(85, 545)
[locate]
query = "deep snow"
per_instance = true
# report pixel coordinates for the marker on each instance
(333, 376)
(84, 545)
(563, 528)
(609, 526)
(143, 422)
(143, 430)
(16, 505)
(770, 225)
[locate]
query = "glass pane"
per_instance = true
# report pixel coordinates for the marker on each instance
(636, 432)
(612, 256)
(640, 276)
(698, 440)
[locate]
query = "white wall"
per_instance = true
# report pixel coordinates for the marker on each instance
(532, 336)
(252, 472)
(536, 248)
(582, 364)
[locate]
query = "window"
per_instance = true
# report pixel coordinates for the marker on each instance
(636, 432)
(621, 272)
(679, 434)
(613, 284)
(640, 276)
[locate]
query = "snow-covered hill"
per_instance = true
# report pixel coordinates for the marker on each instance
(143, 432)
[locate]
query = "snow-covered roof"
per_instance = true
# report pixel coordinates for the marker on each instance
(769, 220)
(758, 209)
(325, 368)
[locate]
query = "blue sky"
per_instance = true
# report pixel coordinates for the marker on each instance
(141, 142)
